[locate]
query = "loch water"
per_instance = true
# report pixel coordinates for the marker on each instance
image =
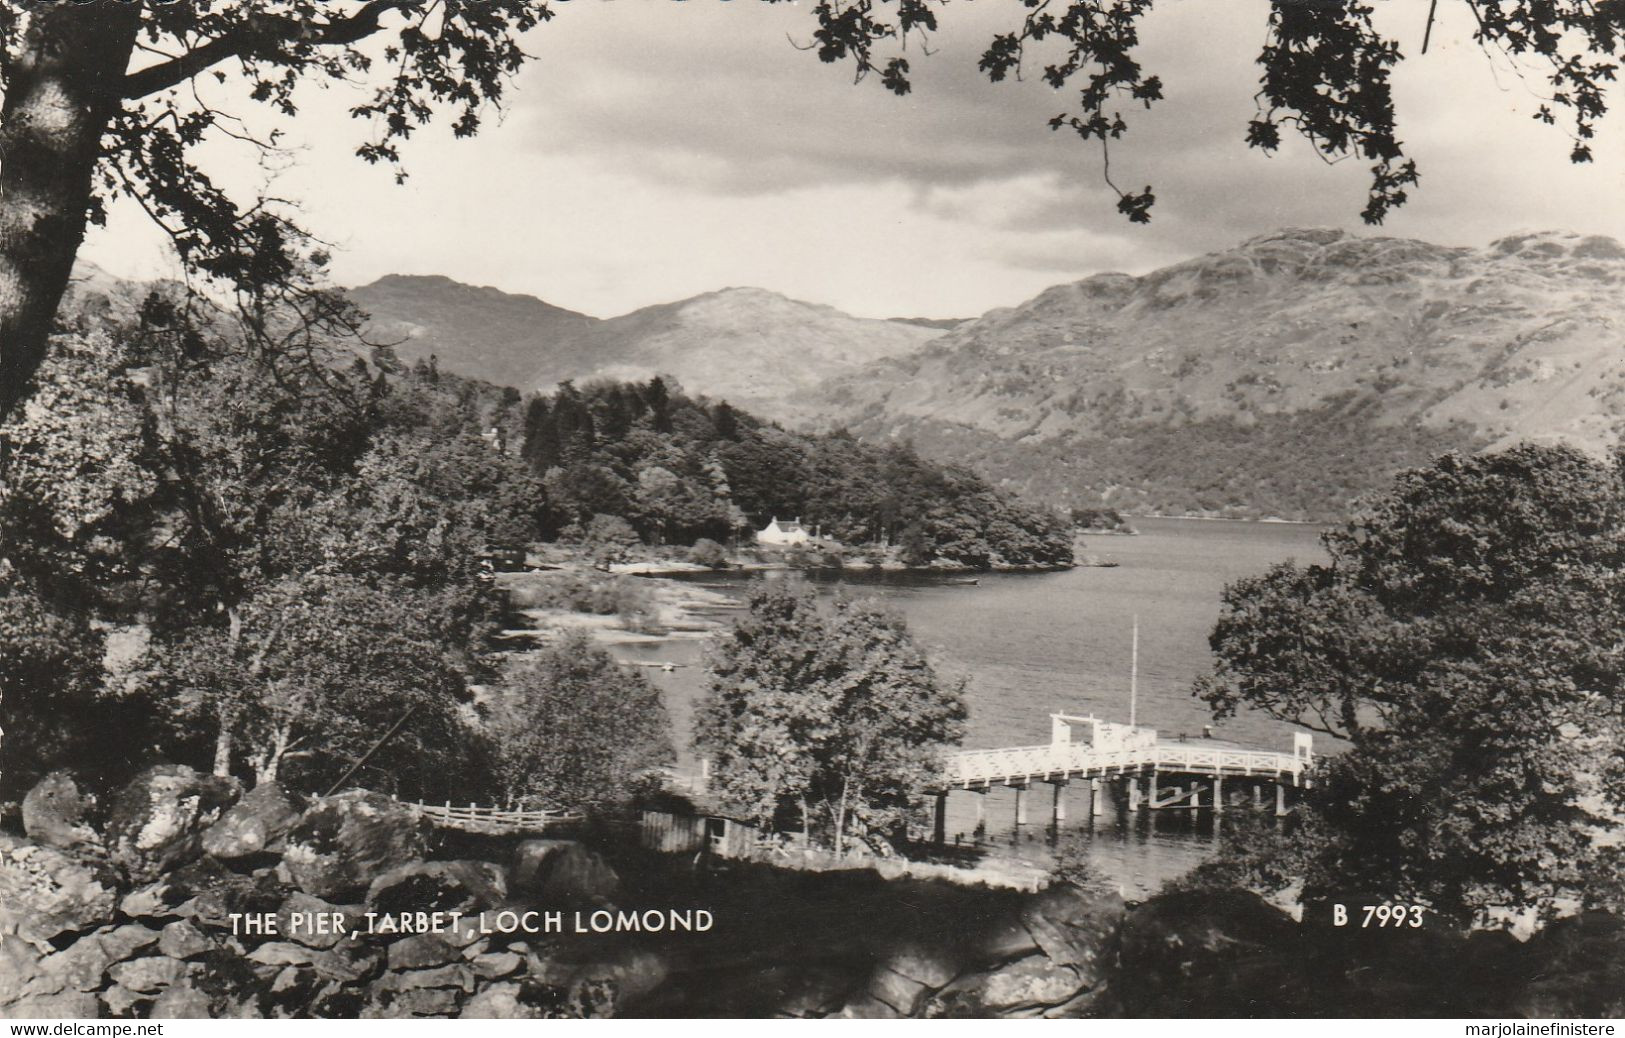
(1029, 644)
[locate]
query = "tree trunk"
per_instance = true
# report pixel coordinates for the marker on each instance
(840, 821)
(65, 85)
(272, 762)
(222, 748)
(222, 738)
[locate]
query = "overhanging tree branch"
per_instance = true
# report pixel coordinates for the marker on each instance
(262, 36)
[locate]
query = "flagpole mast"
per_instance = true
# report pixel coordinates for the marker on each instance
(1134, 673)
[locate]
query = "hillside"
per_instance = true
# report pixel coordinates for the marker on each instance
(480, 332)
(1284, 376)
(747, 345)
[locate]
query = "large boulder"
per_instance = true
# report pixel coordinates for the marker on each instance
(903, 993)
(423, 951)
(562, 871)
(1025, 987)
(254, 825)
(206, 892)
(157, 821)
(345, 963)
(180, 1002)
(1576, 969)
(148, 974)
(83, 965)
(931, 963)
(1032, 983)
(70, 1005)
(866, 1007)
(1183, 949)
(628, 973)
(219, 985)
(999, 938)
(909, 970)
(342, 843)
(806, 990)
(19, 965)
(316, 923)
(1077, 928)
(45, 892)
(494, 965)
(499, 1002)
(182, 939)
(59, 812)
(439, 886)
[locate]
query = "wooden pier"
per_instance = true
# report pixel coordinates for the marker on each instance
(1128, 764)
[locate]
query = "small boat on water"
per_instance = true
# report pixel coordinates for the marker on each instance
(972, 581)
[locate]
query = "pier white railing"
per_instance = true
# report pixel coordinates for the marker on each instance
(1027, 763)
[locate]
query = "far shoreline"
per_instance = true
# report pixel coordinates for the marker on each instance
(1268, 520)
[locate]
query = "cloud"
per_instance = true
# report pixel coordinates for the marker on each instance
(658, 149)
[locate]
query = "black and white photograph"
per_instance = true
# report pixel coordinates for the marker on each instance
(812, 509)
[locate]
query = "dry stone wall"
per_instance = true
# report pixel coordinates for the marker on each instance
(138, 914)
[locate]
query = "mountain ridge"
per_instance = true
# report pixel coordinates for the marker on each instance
(1285, 376)
(1403, 347)
(751, 346)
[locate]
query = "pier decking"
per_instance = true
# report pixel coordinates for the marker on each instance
(1127, 764)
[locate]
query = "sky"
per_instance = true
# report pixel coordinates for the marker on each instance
(657, 149)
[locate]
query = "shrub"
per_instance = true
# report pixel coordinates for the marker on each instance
(707, 552)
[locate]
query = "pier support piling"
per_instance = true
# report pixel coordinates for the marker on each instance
(1096, 808)
(1021, 805)
(1218, 793)
(1134, 794)
(1258, 794)
(1058, 813)
(1280, 800)
(939, 827)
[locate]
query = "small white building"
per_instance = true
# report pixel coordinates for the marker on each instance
(783, 533)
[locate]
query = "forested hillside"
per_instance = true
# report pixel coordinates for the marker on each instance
(679, 468)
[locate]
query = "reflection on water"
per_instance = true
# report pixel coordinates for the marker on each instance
(1031, 644)
(1136, 850)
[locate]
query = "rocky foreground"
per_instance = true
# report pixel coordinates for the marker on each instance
(137, 911)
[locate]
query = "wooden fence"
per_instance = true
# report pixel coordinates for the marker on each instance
(491, 821)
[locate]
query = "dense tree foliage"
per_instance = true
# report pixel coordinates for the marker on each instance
(574, 728)
(1464, 639)
(679, 468)
(319, 667)
(50, 673)
(297, 546)
(839, 717)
